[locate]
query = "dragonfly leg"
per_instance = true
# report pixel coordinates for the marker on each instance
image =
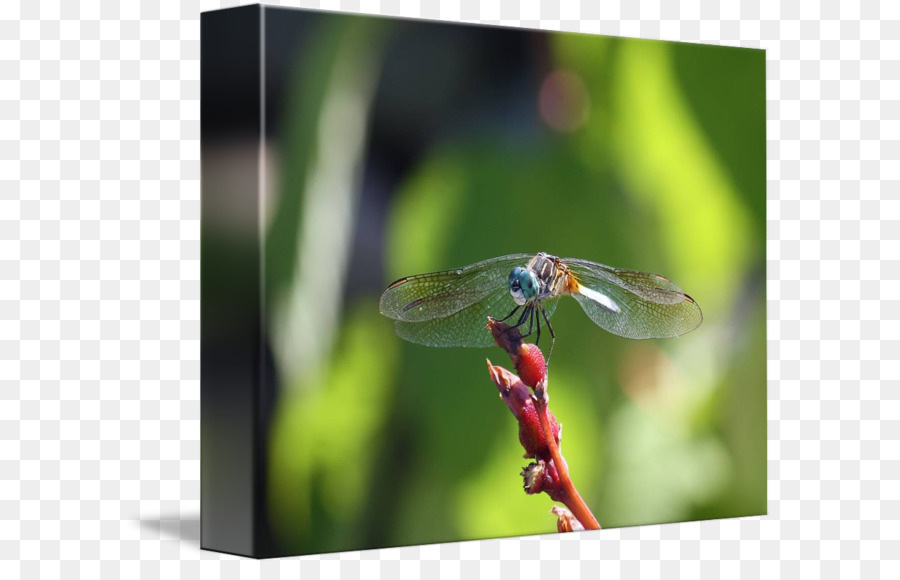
(530, 311)
(523, 317)
(538, 339)
(552, 335)
(521, 320)
(514, 310)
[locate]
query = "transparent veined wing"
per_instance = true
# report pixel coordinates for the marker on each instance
(633, 304)
(441, 294)
(467, 327)
(450, 308)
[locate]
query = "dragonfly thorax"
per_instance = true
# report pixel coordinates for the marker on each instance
(523, 285)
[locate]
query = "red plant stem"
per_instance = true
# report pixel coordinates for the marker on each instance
(572, 499)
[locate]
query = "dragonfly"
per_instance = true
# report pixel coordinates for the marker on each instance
(449, 308)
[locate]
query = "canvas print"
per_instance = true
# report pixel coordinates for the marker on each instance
(465, 282)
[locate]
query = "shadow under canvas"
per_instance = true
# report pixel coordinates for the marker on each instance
(184, 528)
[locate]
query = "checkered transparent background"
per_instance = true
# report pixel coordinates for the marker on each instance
(100, 292)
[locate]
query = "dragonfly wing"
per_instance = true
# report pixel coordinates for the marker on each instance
(464, 327)
(467, 327)
(442, 294)
(633, 304)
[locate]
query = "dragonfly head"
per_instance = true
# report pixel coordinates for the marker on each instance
(523, 285)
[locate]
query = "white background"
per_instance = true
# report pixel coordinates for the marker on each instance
(100, 296)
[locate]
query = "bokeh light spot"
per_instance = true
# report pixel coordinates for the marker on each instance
(564, 101)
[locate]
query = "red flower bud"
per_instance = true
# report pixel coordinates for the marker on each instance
(530, 364)
(565, 521)
(507, 337)
(542, 476)
(519, 400)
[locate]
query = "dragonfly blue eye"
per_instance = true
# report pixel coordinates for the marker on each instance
(528, 281)
(513, 280)
(523, 284)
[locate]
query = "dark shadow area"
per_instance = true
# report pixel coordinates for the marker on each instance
(186, 529)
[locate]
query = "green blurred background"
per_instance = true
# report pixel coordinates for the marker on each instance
(401, 147)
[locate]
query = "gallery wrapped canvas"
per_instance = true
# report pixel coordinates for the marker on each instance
(463, 282)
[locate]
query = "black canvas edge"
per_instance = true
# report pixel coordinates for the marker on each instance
(231, 364)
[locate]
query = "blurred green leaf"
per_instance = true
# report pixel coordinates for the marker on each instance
(324, 440)
(672, 169)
